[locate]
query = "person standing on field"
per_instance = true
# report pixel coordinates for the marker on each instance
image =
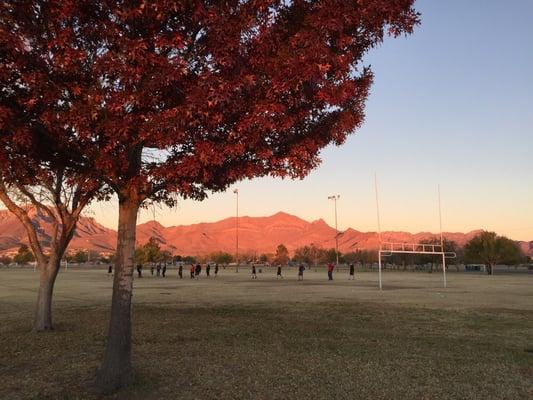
(301, 270)
(207, 269)
(192, 271)
(197, 271)
(152, 269)
(139, 270)
(180, 271)
(164, 270)
(278, 274)
(158, 269)
(352, 272)
(110, 270)
(331, 267)
(216, 270)
(254, 272)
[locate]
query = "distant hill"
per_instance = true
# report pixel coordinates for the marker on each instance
(89, 233)
(256, 235)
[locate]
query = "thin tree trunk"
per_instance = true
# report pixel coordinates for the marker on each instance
(116, 370)
(43, 313)
(489, 269)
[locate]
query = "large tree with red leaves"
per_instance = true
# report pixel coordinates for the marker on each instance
(190, 96)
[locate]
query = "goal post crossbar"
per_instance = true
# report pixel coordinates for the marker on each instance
(388, 249)
(427, 248)
(447, 254)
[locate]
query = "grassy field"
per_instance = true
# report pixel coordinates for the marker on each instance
(233, 338)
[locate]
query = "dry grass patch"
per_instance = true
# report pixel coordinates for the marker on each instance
(298, 351)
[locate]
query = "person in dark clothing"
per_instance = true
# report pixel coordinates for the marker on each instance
(164, 269)
(180, 271)
(278, 274)
(197, 271)
(330, 271)
(192, 271)
(158, 269)
(152, 269)
(110, 270)
(216, 270)
(139, 270)
(207, 269)
(352, 272)
(301, 270)
(254, 272)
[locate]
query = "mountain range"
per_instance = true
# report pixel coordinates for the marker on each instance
(256, 235)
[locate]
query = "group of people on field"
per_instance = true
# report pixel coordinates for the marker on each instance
(160, 269)
(301, 270)
(196, 269)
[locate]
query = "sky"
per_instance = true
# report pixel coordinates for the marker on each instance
(451, 105)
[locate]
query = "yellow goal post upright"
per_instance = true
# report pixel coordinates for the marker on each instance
(387, 249)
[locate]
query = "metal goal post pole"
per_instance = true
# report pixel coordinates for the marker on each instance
(444, 269)
(379, 269)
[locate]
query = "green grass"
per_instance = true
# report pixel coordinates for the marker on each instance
(334, 350)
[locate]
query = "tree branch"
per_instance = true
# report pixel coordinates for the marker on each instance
(26, 221)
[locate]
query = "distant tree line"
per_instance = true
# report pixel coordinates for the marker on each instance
(487, 249)
(23, 256)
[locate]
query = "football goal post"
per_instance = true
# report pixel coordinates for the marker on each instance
(387, 249)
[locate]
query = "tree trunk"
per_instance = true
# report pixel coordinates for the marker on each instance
(116, 370)
(489, 269)
(47, 279)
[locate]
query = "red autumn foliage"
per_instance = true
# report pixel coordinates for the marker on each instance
(187, 96)
(222, 90)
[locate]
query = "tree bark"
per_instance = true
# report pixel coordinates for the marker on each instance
(43, 314)
(116, 370)
(489, 269)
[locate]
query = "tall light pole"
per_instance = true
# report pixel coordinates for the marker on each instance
(335, 198)
(236, 191)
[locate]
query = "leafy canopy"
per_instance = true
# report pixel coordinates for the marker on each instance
(157, 97)
(221, 257)
(24, 255)
(490, 249)
(282, 254)
(150, 252)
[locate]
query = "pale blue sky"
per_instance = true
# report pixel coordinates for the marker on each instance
(451, 104)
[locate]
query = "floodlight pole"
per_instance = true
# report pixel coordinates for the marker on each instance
(335, 198)
(442, 242)
(236, 191)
